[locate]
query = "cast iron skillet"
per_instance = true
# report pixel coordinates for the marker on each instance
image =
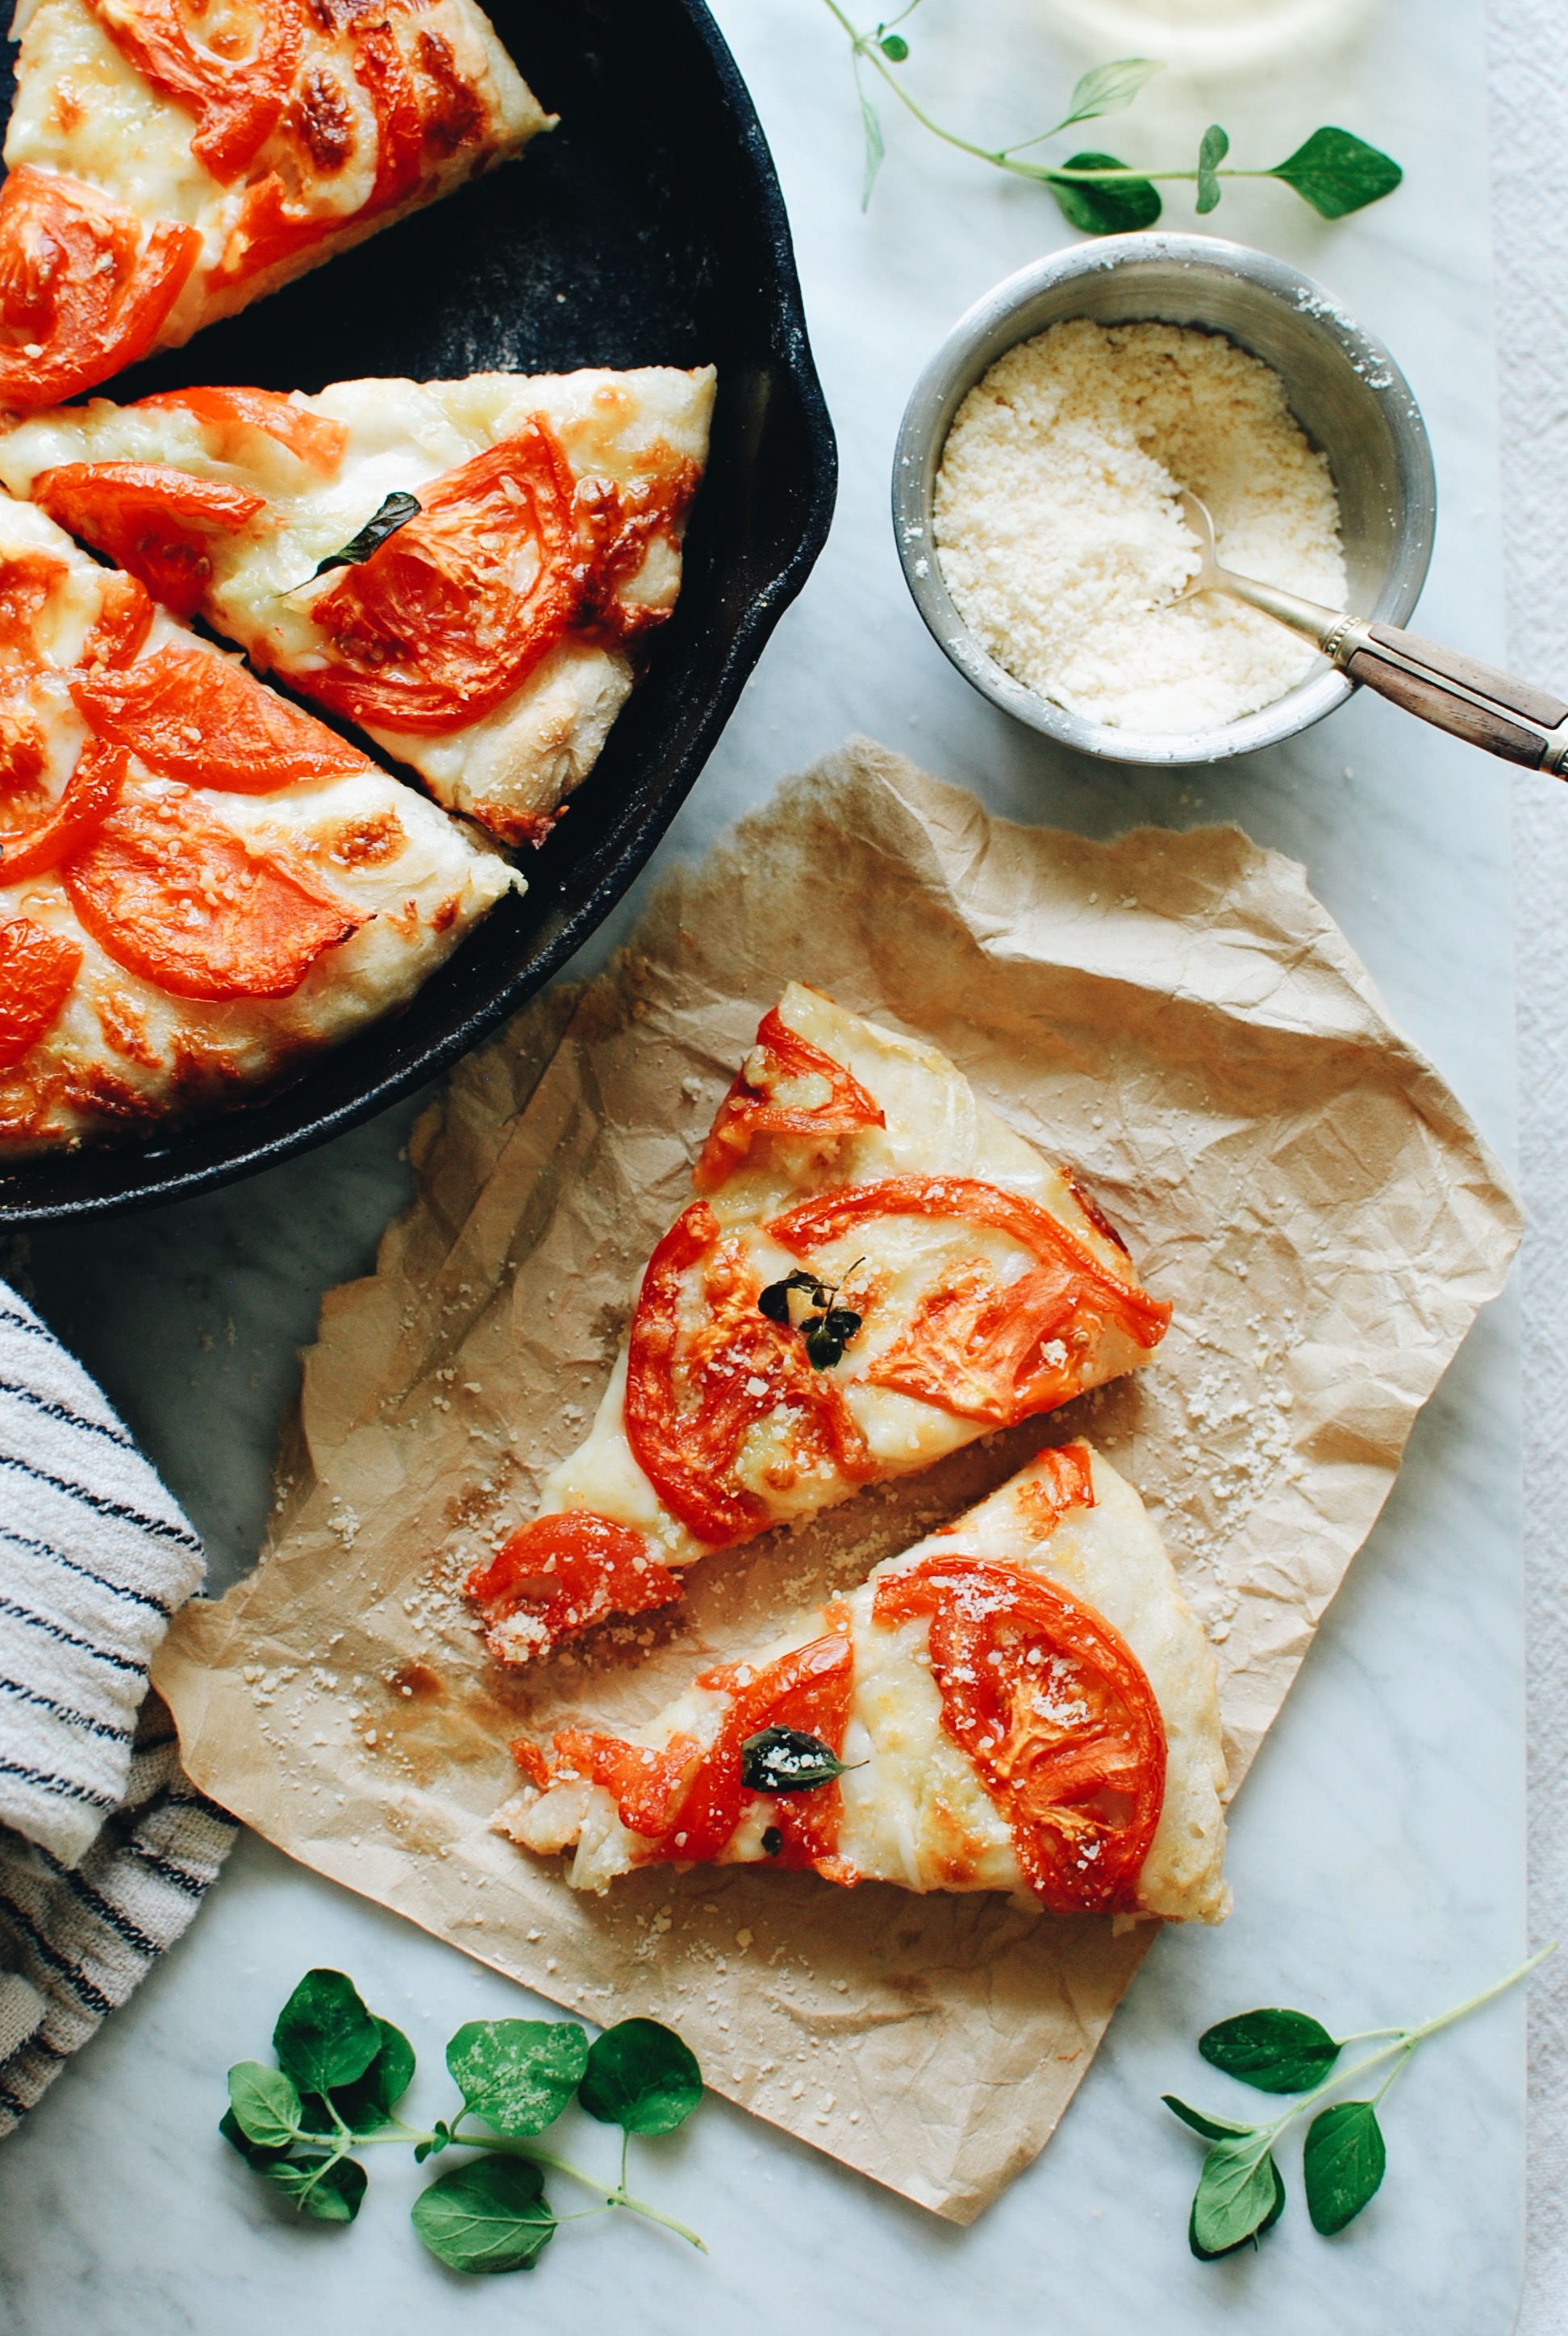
(647, 229)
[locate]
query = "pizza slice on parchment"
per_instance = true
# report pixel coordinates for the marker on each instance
(171, 161)
(1023, 1701)
(876, 1270)
(511, 542)
(201, 885)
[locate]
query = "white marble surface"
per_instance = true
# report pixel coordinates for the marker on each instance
(1378, 1850)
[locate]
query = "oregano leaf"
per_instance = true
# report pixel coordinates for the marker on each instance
(265, 2105)
(1342, 2164)
(1116, 208)
(518, 2075)
(254, 2153)
(1278, 2051)
(1108, 89)
(1338, 172)
(1212, 2128)
(640, 2077)
(894, 47)
(1236, 2191)
(395, 511)
(1211, 152)
(788, 1760)
(489, 2216)
(324, 2189)
(1213, 2254)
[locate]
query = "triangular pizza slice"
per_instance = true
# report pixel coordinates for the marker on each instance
(1023, 1701)
(171, 161)
(874, 1272)
(201, 885)
(467, 569)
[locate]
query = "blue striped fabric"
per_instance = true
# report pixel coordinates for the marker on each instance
(105, 1847)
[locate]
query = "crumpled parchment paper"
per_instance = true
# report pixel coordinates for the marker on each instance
(1172, 1014)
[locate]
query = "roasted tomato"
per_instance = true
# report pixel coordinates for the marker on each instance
(316, 441)
(688, 1799)
(37, 971)
(236, 92)
(567, 1572)
(79, 296)
(1054, 1709)
(981, 1348)
(785, 1086)
(90, 794)
(450, 616)
(151, 519)
(202, 719)
(124, 619)
(172, 893)
(691, 1394)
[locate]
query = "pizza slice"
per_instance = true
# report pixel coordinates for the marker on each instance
(875, 1271)
(1023, 1701)
(201, 885)
(467, 569)
(171, 161)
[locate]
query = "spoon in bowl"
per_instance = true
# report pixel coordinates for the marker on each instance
(1445, 687)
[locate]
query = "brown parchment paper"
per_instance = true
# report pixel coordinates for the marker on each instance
(1173, 1013)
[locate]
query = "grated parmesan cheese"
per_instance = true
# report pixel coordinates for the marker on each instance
(1062, 545)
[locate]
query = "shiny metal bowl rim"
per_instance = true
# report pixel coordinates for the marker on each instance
(989, 329)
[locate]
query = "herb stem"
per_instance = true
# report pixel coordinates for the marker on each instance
(617, 2196)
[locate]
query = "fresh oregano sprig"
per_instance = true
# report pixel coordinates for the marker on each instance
(1334, 171)
(341, 2072)
(1241, 2192)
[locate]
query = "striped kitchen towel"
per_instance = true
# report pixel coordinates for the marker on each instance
(105, 1847)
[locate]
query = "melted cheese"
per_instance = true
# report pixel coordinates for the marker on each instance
(125, 1055)
(514, 767)
(935, 1126)
(915, 1812)
(82, 110)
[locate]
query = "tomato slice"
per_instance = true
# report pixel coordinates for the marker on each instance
(435, 630)
(688, 1800)
(569, 1571)
(198, 718)
(90, 794)
(317, 440)
(172, 893)
(1055, 1711)
(237, 100)
(79, 296)
(785, 1086)
(691, 1397)
(124, 619)
(982, 1349)
(151, 519)
(37, 971)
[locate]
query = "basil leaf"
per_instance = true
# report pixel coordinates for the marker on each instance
(370, 2100)
(641, 2076)
(1277, 2051)
(1216, 145)
(254, 2153)
(787, 1760)
(824, 1345)
(1213, 2254)
(1212, 2128)
(1117, 208)
(335, 2197)
(264, 2104)
(396, 509)
(1338, 174)
(518, 2075)
(325, 2037)
(488, 2216)
(1342, 2164)
(1109, 89)
(1239, 2188)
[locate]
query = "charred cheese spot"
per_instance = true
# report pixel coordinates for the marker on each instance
(124, 1028)
(369, 842)
(323, 119)
(453, 116)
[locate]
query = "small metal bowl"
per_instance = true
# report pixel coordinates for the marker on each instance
(1343, 388)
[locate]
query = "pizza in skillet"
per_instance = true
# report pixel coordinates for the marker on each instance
(171, 161)
(874, 1272)
(512, 542)
(201, 885)
(1023, 1701)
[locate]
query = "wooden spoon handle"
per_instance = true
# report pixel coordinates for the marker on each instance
(1444, 693)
